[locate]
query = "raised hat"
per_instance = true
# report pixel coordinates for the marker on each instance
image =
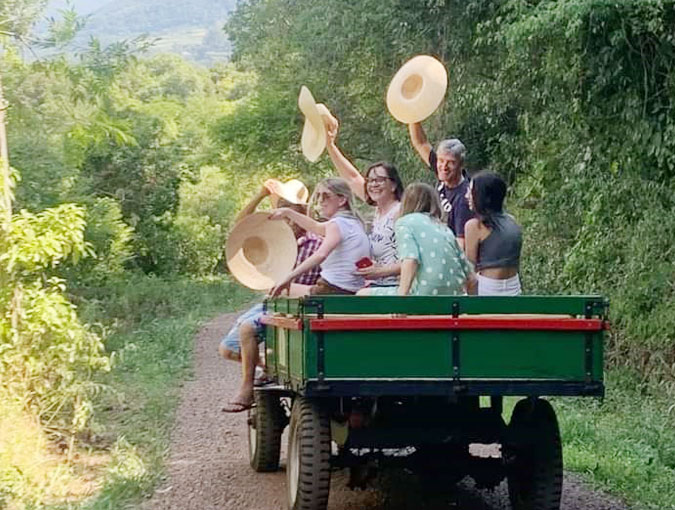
(293, 191)
(260, 251)
(417, 89)
(313, 140)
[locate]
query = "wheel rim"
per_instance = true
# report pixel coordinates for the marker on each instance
(293, 469)
(252, 435)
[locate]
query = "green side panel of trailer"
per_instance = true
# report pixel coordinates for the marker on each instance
(557, 355)
(429, 354)
(387, 354)
(296, 355)
(271, 348)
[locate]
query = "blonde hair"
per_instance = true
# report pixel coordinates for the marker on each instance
(340, 188)
(420, 197)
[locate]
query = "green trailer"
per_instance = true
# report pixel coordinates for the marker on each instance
(366, 382)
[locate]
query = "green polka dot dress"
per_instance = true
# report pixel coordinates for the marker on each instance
(442, 266)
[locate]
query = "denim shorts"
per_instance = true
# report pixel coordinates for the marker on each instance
(253, 316)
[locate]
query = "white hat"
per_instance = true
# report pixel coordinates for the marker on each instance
(293, 191)
(260, 251)
(417, 89)
(313, 140)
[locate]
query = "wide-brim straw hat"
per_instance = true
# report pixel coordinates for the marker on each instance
(260, 251)
(293, 191)
(313, 140)
(417, 89)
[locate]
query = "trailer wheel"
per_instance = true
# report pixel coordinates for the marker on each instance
(266, 421)
(534, 456)
(308, 466)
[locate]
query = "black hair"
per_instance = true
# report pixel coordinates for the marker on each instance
(488, 193)
(392, 173)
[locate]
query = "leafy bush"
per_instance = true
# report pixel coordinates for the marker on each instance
(47, 357)
(110, 239)
(201, 244)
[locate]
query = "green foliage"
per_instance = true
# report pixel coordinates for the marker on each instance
(110, 239)
(35, 242)
(18, 16)
(201, 244)
(131, 131)
(46, 355)
(626, 444)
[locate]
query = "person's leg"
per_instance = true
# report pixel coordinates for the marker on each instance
(229, 346)
(228, 354)
(249, 359)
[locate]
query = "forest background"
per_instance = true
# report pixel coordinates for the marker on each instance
(129, 168)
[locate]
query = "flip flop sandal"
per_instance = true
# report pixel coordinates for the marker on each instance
(236, 407)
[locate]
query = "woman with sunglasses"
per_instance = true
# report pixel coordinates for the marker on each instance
(493, 239)
(382, 188)
(344, 242)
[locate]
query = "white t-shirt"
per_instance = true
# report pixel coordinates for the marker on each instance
(383, 242)
(339, 268)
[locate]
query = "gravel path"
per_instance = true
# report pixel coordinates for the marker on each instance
(208, 467)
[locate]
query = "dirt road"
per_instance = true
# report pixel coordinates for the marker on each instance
(208, 467)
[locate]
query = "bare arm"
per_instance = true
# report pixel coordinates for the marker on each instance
(471, 240)
(301, 220)
(345, 168)
(419, 141)
(471, 284)
(374, 272)
(408, 272)
(330, 241)
(347, 171)
(251, 206)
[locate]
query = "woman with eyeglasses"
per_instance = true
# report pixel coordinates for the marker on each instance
(382, 188)
(344, 242)
(493, 239)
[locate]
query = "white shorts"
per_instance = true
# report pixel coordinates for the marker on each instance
(492, 287)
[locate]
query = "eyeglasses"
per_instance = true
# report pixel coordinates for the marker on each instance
(378, 180)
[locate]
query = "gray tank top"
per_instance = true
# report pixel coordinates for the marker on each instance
(502, 247)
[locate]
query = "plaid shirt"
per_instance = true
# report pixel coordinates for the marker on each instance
(307, 245)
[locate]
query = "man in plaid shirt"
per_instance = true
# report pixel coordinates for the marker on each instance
(241, 342)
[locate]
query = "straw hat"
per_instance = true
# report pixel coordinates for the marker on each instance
(313, 140)
(293, 191)
(417, 89)
(260, 251)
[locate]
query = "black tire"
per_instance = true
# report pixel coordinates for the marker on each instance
(266, 423)
(308, 467)
(534, 453)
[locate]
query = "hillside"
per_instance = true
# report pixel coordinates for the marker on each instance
(191, 28)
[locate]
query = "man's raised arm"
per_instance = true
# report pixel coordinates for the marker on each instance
(419, 141)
